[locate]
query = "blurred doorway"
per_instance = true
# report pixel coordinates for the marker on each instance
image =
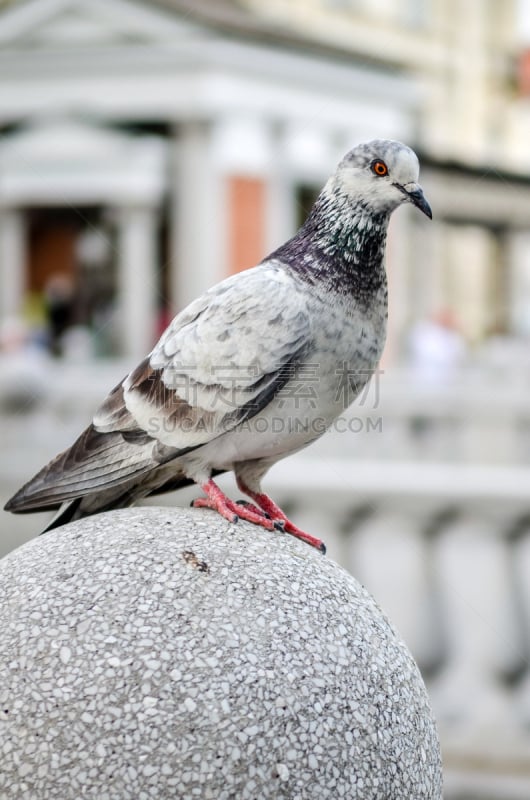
(81, 207)
(71, 276)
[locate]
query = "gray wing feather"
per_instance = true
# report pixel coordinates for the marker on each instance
(93, 462)
(220, 361)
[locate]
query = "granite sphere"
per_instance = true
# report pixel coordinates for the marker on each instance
(166, 653)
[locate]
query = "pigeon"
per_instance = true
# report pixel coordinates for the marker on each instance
(252, 371)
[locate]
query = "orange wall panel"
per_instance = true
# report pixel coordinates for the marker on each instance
(51, 252)
(246, 222)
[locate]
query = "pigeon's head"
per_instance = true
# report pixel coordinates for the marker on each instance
(381, 175)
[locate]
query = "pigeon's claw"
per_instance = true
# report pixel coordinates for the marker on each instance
(280, 521)
(247, 512)
(266, 513)
(218, 501)
(222, 508)
(253, 508)
(294, 530)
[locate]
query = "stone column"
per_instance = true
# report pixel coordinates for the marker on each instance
(468, 82)
(198, 248)
(521, 570)
(518, 258)
(427, 291)
(399, 269)
(12, 261)
(389, 553)
(137, 279)
(281, 203)
(484, 640)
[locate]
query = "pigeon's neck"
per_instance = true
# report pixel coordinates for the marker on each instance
(341, 245)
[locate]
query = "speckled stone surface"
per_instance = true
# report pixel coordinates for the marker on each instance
(164, 653)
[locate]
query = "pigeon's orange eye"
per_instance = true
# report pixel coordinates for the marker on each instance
(380, 168)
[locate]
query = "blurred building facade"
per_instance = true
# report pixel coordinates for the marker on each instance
(149, 149)
(470, 63)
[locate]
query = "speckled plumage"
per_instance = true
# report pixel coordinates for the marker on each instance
(349, 259)
(228, 369)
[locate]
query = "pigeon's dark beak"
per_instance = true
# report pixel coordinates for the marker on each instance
(415, 195)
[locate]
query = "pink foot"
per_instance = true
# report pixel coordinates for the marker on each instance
(276, 515)
(252, 507)
(218, 501)
(266, 514)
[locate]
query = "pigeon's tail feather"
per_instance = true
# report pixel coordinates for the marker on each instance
(118, 497)
(96, 462)
(67, 513)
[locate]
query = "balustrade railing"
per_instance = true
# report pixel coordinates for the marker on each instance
(451, 570)
(422, 491)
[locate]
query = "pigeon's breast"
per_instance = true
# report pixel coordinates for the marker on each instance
(350, 336)
(341, 360)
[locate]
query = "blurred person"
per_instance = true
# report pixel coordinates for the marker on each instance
(14, 335)
(59, 304)
(22, 367)
(436, 347)
(77, 344)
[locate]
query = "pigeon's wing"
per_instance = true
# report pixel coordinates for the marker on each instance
(220, 362)
(95, 462)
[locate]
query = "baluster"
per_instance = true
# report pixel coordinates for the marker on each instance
(472, 573)
(521, 560)
(388, 552)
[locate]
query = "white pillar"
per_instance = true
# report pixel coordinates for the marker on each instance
(468, 79)
(12, 261)
(518, 257)
(399, 269)
(388, 553)
(198, 216)
(521, 563)
(137, 279)
(281, 202)
(427, 282)
(483, 637)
